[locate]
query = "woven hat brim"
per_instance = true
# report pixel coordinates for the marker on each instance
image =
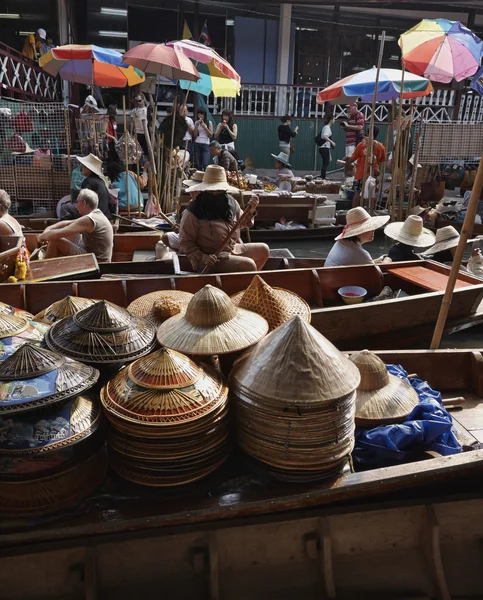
(392, 403)
(190, 182)
(92, 168)
(221, 186)
(287, 164)
(423, 240)
(244, 330)
(445, 245)
(370, 225)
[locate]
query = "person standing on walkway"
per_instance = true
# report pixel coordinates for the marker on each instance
(285, 134)
(227, 132)
(32, 47)
(354, 129)
(328, 143)
(202, 133)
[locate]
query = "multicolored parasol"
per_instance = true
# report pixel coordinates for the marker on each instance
(91, 65)
(441, 50)
(161, 59)
(361, 85)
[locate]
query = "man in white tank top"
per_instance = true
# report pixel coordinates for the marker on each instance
(93, 226)
(8, 225)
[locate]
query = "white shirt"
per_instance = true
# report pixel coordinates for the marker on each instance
(345, 253)
(326, 131)
(203, 137)
(139, 114)
(187, 135)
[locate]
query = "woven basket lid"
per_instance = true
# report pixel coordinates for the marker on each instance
(11, 325)
(34, 377)
(54, 428)
(103, 333)
(276, 305)
(381, 397)
(212, 324)
(159, 306)
(164, 388)
(70, 305)
(294, 365)
(8, 309)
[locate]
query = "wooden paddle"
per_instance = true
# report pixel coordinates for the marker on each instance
(150, 227)
(242, 222)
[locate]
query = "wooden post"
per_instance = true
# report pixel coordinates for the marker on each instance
(126, 155)
(139, 187)
(464, 235)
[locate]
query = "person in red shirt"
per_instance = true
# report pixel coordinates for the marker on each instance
(354, 129)
(359, 157)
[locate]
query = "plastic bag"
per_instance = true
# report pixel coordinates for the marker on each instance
(134, 151)
(428, 428)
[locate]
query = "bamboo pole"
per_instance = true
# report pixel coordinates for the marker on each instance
(242, 200)
(126, 154)
(396, 153)
(137, 173)
(67, 138)
(170, 152)
(384, 163)
(466, 229)
(404, 162)
(415, 168)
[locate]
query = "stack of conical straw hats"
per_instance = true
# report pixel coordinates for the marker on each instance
(295, 398)
(102, 333)
(159, 306)
(51, 444)
(381, 398)
(16, 330)
(169, 420)
(211, 325)
(8, 309)
(68, 306)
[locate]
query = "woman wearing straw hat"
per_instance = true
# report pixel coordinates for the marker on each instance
(359, 230)
(408, 235)
(283, 167)
(447, 240)
(95, 181)
(206, 222)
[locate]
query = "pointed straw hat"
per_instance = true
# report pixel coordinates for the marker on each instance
(7, 309)
(195, 179)
(159, 306)
(295, 365)
(11, 325)
(381, 398)
(446, 238)
(70, 305)
(92, 163)
(212, 324)
(214, 180)
(360, 221)
(276, 305)
(411, 232)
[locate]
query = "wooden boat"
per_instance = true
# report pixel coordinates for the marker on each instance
(9, 248)
(399, 322)
(477, 228)
(239, 535)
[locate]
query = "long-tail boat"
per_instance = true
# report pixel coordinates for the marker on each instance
(395, 323)
(408, 531)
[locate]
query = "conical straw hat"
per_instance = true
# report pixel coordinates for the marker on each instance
(360, 221)
(410, 232)
(276, 305)
(45, 377)
(11, 325)
(214, 180)
(295, 365)
(446, 238)
(70, 305)
(381, 398)
(159, 306)
(212, 324)
(7, 309)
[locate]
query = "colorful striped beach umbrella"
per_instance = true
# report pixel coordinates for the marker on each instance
(441, 50)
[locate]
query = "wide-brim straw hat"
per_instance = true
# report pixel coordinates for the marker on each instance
(446, 238)
(195, 180)
(70, 305)
(47, 377)
(93, 163)
(212, 324)
(381, 398)
(276, 305)
(360, 221)
(8, 309)
(283, 158)
(214, 180)
(410, 232)
(159, 306)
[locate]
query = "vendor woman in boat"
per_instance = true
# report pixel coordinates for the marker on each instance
(409, 236)
(93, 226)
(447, 240)
(359, 230)
(117, 176)
(205, 224)
(8, 225)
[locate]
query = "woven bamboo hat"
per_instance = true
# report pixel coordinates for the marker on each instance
(68, 306)
(159, 306)
(11, 325)
(276, 305)
(7, 309)
(214, 180)
(446, 238)
(195, 180)
(43, 377)
(411, 232)
(15, 331)
(360, 221)
(295, 365)
(381, 398)
(92, 163)
(212, 324)
(102, 333)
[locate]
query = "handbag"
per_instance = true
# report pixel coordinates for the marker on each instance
(292, 148)
(319, 139)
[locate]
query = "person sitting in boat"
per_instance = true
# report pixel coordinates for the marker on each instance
(93, 226)
(283, 168)
(117, 176)
(95, 181)
(408, 235)
(359, 230)
(8, 225)
(223, 157)
(447, 240)
(206, 222)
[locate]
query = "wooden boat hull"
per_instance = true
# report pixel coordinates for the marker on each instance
(476, 230)
(240, 535)
(384, 324)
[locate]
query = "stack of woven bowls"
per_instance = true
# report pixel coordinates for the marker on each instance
(295, 399)
(51, 444)
(169, 420)
(16, 329)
